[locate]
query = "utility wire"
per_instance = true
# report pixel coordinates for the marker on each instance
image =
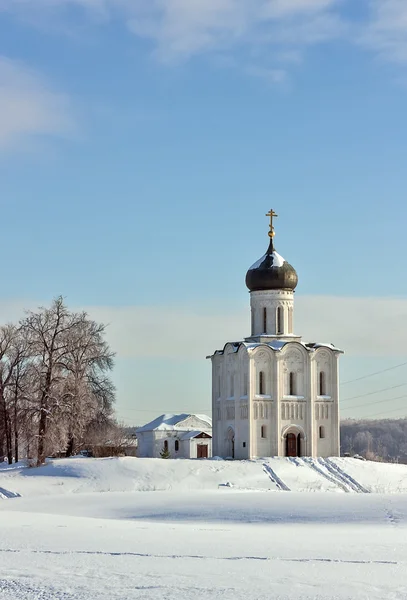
(387, 412)
(373, 403)
(392, 387)
(376, 373)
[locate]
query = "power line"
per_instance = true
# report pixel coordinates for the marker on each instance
(373, 374)
(373, 403)
(376, 392)
(386, 412)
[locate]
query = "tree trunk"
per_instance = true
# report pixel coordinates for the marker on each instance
(9, 448)
(15, 444)
(15, 431)
(70, 447)
(7, 428)
(41, 438)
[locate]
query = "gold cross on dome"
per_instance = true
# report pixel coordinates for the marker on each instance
(271, 214)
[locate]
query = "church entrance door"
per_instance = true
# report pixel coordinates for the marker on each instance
(291, 445)
(202, 451)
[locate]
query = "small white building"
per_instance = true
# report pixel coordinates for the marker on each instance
(184, 436)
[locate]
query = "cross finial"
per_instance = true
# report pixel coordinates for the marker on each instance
(271, 214)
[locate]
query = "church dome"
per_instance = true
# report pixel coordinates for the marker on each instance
(271, 271)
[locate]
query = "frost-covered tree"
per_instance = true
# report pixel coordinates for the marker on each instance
(69, 362)
(13, 355)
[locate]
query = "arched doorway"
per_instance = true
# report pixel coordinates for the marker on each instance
(293, 441)
(230, 443)
(293, 444)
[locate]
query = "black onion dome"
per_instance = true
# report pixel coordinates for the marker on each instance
(271, 272)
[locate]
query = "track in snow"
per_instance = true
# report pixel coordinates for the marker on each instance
(6, 494)
(275, 478)
(345, 477)
(311, 462)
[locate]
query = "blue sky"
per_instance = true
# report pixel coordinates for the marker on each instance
(142, 143)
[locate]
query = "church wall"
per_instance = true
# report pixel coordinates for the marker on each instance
(295, 406)
(230, 412)
(266, 321)
(262, 403)
(326, 407)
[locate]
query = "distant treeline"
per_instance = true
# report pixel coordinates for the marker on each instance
(375, 440)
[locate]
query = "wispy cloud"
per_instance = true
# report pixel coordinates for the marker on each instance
(351, 323)
(360, 326)
(180, 29)
(386, 30)
(28, 106)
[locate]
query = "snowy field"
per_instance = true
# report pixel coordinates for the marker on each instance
(90, 529)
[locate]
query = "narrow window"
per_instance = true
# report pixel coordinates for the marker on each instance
(263, 431)
(290, 320)
(261, 382)
(176, 445)
(279, 320)
(218, 391)
(244, 444)
(166, 445)
(232, 386)
(322, 388)
(252, 322)
(265, 320)
(245, 384)
(292, 384)
(321, 432)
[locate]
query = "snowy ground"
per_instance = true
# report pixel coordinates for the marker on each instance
(203, 529)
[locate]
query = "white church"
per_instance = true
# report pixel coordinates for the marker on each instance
(273, 394)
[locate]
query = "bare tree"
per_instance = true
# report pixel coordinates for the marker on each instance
(13, 353)
(68, 372)
(87, 390)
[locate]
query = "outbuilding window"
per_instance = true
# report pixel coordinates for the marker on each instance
(166, 445)
(176, 445)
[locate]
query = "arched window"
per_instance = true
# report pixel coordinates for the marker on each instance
(261, 383)
(218, 387)
(322, 387)
(232, 386)
(265, 320)
(245, 384)
(252, 322)
(176, 445)
(292, 390)
(321, 432)
(290, 320)
(166, 445)
(279, 320)
(263, 431)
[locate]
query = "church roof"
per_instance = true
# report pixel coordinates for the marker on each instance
(271, 271)
(278, 345)
(189, 435)
(171, 422)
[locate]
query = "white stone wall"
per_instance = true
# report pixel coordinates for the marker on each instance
(271, 301)
(261, 418)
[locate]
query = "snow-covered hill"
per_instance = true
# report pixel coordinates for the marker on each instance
(96, 529)
(83, 475)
